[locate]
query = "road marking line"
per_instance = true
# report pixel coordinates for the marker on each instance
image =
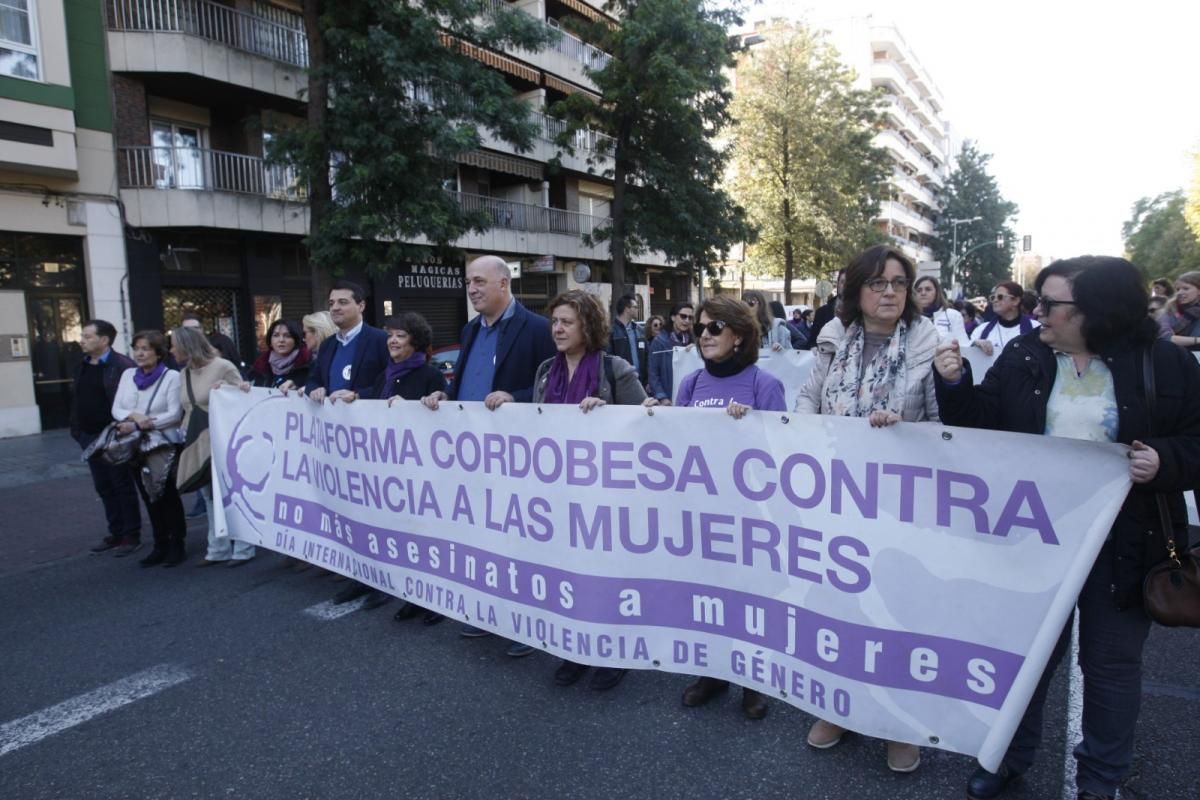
(69, 713)
(330, 610)
(1074, 713)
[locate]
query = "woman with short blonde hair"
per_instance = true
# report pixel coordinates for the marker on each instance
(318, 326)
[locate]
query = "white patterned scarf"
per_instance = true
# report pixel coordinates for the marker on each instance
(883, 381)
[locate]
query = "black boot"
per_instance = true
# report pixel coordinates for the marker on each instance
(703, 690)
(157, 556)
(176, 552)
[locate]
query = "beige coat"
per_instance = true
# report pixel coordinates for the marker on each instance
(920, 403)
(203, 380)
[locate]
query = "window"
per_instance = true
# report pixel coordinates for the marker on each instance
(178, 157)
(18, 40)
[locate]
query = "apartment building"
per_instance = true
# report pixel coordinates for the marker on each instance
(915, 133)
(198, 85)
(62, 255)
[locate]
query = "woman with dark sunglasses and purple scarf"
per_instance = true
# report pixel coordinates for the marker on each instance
(728, 336)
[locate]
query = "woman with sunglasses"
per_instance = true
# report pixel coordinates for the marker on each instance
(728, 337)
(991, 337)
(1085, 374)
(874, 360)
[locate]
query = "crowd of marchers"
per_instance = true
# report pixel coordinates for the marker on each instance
(1088, 354)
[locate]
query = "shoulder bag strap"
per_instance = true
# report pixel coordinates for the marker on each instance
(187, 376)
(1164, 514)
(154, 394)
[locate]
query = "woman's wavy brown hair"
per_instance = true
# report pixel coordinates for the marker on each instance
(592, 317)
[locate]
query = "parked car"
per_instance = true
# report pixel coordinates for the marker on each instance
(446, 358)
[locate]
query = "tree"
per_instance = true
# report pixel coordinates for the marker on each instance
(664, 99)
(805, 166)
(972, 192)
(393, 100)
(1191, 211)
(1157, 238)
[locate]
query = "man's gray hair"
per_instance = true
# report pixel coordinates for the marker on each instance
(497, 263)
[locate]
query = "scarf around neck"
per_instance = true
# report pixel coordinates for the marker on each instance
(398, 369)
(584, 383)
(883, 382)
(144, 380)
(1184, 318)
(282, 365)
(679, 339)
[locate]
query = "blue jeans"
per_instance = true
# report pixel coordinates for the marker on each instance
(224, 548)
(1110, 657)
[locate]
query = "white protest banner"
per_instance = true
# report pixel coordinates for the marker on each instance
(980, 361)
(888, 580)
(790, 366)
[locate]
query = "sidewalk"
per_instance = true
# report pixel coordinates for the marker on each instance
(42, 457)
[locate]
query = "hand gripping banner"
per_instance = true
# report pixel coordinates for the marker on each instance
(906, 582)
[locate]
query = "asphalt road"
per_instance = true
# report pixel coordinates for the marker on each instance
(249, 696)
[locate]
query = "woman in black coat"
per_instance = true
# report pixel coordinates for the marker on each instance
(1083, 375)
(409, 376)
(285, 359)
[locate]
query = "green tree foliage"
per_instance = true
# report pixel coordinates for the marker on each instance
(664, 99)
(393, 100)
(1191, 211)
(1157, 237)
(972, 192)
(805, 166)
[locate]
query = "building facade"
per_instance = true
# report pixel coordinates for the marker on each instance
(915, 132)
(198, 86)
(62, 253)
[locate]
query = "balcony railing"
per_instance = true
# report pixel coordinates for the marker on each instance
(531, 218)
(585, 139)
(575, 48)
(207, 170)
(250, 33)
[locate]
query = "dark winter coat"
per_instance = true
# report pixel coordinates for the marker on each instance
(114, 368)
(1014, 395)
(423, 380)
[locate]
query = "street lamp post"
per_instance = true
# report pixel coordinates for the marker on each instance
(954, 259)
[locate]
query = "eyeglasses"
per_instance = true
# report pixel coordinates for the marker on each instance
(714, 328)
(1047, 305)
(996, 298)
(752, 302)
(682, 315)
(880, 285)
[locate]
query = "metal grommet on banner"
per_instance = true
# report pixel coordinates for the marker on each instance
(460, 407)
(649, 412)
(539, 409)
(934, 740)
(947, 435)
(656, 663)
(785, 419)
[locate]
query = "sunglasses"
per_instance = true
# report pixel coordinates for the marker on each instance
(996, 298)
(682, 315)
(714, 328)
(1047, 305)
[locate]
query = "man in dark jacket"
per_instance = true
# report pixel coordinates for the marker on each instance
(357, 353)
(624, 338)
(91, 410)
(501, 351)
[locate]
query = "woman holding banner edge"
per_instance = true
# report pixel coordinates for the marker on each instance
(874, 359)
(582, 374)
(1084, 374)
(727, 334)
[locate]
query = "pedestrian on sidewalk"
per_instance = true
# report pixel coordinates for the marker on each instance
(148, 400)
(96, 383)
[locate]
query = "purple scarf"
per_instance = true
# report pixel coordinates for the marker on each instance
(584, 383)
(144, 380)
(282, 365)
(679, 339)
(397, 370)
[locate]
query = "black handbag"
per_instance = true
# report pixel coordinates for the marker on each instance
(1171, 589)
(115, 448)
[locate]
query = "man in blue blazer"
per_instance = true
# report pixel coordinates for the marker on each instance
(355, 356)
(501, 351)
(502, 347)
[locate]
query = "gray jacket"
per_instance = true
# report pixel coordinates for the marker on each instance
(625, 379)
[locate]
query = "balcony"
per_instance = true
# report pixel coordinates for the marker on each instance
(903, 215)
(195, 187)
(211, 40)
(506, 214)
